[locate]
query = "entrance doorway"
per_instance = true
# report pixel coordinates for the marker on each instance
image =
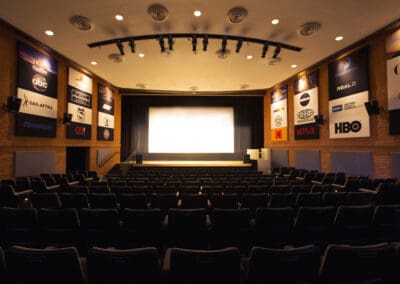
(77, 158)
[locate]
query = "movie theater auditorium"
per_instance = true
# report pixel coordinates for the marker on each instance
(296, 183)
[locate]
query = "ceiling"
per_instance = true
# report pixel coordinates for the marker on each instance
(204, 71)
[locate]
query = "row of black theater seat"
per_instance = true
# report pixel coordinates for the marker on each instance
(338, 264)
(194, 228)
(77, 199)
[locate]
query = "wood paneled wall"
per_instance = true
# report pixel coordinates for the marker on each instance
(380, 143)
(9, 143)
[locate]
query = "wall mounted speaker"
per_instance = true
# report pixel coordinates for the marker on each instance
(13, 104)
(67, 118)
(372, 107)
(319, 119)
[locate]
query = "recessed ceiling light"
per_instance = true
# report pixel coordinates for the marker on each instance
(339, 38)
(119, 17)
(141, 55)
(197, 13)
(49, 33)
(249, 57)
(275, 21)
(293, 66)
(93, 62)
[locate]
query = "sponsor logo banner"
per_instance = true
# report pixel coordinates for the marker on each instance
(32, 125)
(305, 106)
(78, 97)
(394, 118)
(349, 75)
(306, 131)
(106, 99)
(80, 114)
(79, 131)
(80, 81)
(279, 134)
(105, 134)
(106, 120)
(37, 72)
(37, 104)
(393, 83)
(352, 120)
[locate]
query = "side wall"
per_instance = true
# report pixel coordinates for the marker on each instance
(380, 144)
(9, 143)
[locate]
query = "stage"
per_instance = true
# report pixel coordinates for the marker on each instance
(164, 163)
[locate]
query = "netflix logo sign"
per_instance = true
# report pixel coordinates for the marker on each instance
(306, 131)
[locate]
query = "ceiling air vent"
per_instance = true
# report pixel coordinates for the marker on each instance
(308, 28)
(158, 12)
(237, 15)
(116, 58)
(81, 23)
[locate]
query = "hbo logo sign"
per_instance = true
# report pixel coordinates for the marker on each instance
(346, 127)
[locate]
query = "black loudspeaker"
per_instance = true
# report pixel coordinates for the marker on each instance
(139, 158)
(372, 107)
(319, 119)
(246, 159)
(13, 104)
(67, 118)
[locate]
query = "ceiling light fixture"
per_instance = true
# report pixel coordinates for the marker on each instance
(275, 21)
(119, 17)
(239, 45)
(276, 52)
(339, 38)
(170, 42)
(120, 47)
(194, 43)
(249, 57)
(293, 66)
(224, 43)
(132, 45)
(49, 33)
(194, 38)
(93, 62)
(205, 42)
(161, 42)
(197, 13)
(265, 49)
(141, 55)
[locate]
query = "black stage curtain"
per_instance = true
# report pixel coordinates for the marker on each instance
(248, 116)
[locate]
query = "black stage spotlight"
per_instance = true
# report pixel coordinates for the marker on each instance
(161, 42)
(67, 118)
(372, 107)
(13, 104)
(205, 42)
(239, 45)
(132, 45)
(194, 43)
(224, 43)
(276, 52)
(265, 49)
(170, 42)
(120, 47)
(319, 119)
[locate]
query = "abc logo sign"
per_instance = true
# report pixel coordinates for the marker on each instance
(346, 127)
(39, 83)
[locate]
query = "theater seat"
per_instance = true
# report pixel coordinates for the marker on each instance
(140, 265)
(44, 266)
(291, 265)
(183, 266)
(358, 264)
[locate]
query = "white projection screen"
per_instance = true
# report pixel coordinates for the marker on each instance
(191, 130)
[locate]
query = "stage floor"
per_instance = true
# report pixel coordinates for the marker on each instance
(191, 164)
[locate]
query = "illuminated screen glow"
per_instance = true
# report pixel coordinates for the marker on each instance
(191, 130)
